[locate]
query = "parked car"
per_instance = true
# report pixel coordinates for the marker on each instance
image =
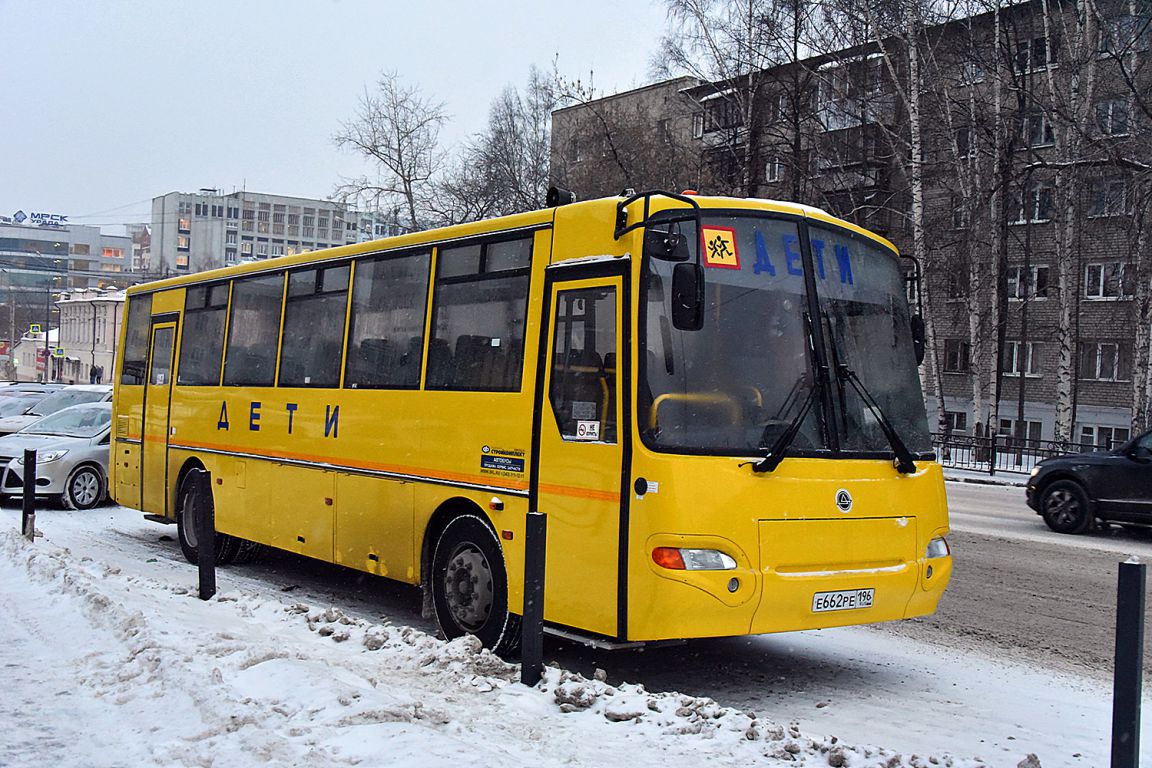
(61, 398)
(1073, 492)
(71, 456)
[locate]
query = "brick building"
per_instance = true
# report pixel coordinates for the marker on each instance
(1018, 171)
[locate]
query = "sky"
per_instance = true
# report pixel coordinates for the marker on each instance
(105, 105)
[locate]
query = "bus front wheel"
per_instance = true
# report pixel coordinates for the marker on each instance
(470, 585)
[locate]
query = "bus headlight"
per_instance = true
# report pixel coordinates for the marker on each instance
(938, 548)
(677, 559)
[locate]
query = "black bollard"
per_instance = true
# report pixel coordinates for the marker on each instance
(28, 520)
(1127, 680)
(204, 515)
(532, 628)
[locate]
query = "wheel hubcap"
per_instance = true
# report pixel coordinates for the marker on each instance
(1063, 508)
(468, 587)
(188, 521)
(85, 487)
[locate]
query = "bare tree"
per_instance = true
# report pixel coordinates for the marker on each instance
(397, 129)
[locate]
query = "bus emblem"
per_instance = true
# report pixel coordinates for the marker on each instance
(844, 500)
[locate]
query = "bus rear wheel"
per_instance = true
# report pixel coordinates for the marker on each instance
(470, 585)
(192, 492)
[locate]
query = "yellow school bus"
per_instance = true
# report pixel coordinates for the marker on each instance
(714, 401)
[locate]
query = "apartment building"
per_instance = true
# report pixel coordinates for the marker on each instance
(1029, 201)
(193, 232)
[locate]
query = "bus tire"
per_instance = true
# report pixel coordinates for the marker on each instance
(470, 585)
(187, 525)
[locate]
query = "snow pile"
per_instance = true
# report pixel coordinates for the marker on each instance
(131, 668)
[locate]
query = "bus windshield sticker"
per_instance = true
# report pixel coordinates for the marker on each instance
(720, 247)
(587, 430)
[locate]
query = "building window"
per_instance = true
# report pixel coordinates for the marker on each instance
(1105, 360)
(184, 208)
(1113, 117)
(1103, 437)
(721, 113)
(110, 253)
(1107, 280)
(1107, 197)
(774, 169)
(182, 261)
(955, 421)
(1034, 204)
(184, 225)
(957, 356)
(230, 238)
(964, 148)
(1034, 54)
(183, 242)
(1008, 428)
(1033, 285)
(233, 212)
(1036, 130)
(971, 72)
(1014, 351)
(1125, 34)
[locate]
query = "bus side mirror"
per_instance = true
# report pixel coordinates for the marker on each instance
(666, 246)
(688, 297)
(918, 336)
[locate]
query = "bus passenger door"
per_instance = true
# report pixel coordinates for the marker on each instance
(154, 437)
(582, 449)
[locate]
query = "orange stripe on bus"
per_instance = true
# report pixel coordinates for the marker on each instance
(580, 493)
(461, 477)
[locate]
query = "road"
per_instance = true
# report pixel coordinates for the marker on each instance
(1021, 590)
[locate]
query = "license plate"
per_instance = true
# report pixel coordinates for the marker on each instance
(844, 600)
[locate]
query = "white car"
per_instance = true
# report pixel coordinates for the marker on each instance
(71, 456)
(74, 394)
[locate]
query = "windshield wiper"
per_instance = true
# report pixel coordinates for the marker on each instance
(775, 453)
(905, 464)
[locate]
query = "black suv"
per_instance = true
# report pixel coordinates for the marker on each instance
(1072, 492)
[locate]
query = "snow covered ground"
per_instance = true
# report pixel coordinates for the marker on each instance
(109, 659)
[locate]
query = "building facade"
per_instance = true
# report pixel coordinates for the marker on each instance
(194, 232)
(88, 333)
(39, 261)
(1016, 165)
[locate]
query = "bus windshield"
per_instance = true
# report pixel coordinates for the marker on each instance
(736, 384)
(868, 332)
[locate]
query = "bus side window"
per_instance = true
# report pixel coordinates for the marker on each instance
(137, 339)
(480, 312)
(386, 331)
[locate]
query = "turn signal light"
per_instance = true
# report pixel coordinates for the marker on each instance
(676, 559)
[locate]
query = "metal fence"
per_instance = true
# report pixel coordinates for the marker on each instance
(999, 453)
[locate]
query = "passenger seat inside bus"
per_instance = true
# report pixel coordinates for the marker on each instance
(479, 364)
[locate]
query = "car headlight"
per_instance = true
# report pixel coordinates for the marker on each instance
(44, 458)
(1035, 471)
